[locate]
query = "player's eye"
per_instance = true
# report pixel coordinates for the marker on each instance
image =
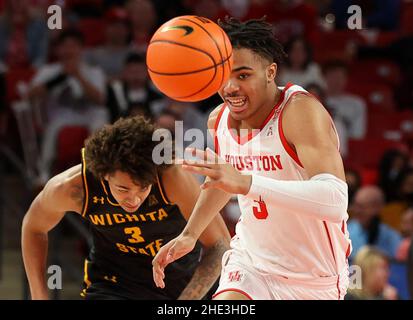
(122, 190)
(243, 76)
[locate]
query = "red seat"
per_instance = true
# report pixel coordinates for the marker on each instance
(336, 45)
(92, 30)
(389, 125)
(377, 71)
(378, 97)
(366, 153)
(369, 176)
(13, 78)
(69, 143)
(406, 19)
(384, 38)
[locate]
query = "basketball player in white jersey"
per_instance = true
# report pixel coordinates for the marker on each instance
(291, 240)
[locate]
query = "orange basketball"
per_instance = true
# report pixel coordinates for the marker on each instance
(189, 58)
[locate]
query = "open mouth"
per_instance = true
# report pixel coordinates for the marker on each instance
(131, 208)
(237, 104)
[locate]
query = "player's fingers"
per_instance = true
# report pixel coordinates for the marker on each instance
(159, 281)
(211, 184)
(212, 173)
(210, 154)
(197, 163)
(158, 275)
(208, 158)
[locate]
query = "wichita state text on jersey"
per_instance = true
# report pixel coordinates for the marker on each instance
(124, 243)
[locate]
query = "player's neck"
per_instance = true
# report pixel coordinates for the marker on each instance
(256, 121)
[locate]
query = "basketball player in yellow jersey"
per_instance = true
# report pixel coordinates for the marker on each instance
(134, 207)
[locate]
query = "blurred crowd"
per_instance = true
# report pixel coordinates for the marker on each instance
(71, 81)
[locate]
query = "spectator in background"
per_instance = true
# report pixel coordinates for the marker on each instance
(167, 119)
(132, 94)
(111, 56)
(210, 9)
(73, 93)
(400, 52)
(144, 21)
(406, 229)
(3, 106)
(365, 227)
(170, 9)
(23, 39)
(292, 18)
(410, 271)
(353, 180)
(391, 164)
(394, 210)
(345, 107)
(299, 68)
(188, 113)
(239, 9)
(316, 90)
(82, 8)
(375, 274)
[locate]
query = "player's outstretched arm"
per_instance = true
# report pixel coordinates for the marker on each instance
(62, 193)
(214, 239)
(308, 129)
(205, 210)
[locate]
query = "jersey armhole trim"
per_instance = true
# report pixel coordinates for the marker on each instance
(108, 195)
(85, 186)
(284, 141)
(216, 144)
(162, 191)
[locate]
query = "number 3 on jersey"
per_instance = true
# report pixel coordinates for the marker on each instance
(135, 233)
(261, 212)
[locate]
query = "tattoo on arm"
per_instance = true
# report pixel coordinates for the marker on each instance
(206, 274)
(77, 195)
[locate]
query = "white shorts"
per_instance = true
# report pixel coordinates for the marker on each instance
(241, 277)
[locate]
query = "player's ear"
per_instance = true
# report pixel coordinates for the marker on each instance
(272, 72)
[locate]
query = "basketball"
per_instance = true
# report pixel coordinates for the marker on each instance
(189, 58)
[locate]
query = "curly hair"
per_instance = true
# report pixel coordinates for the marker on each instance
(256, 35)
(125, 146)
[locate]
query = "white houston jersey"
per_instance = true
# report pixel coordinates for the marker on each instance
(276, 239)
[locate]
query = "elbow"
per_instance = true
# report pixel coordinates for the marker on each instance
(338, 212)
(25, 224)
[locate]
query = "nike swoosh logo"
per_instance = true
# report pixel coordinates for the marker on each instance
(188, 29)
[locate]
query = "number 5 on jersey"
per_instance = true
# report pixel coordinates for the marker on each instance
(261, 212)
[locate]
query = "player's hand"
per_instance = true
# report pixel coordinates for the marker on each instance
(71, 68)
(222, 174)
(173, 250)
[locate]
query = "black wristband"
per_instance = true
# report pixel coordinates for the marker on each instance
(55, 81)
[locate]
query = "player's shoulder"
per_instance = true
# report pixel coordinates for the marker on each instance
(66, 189)
(213, 116)
(304, 104)
(173, 190)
